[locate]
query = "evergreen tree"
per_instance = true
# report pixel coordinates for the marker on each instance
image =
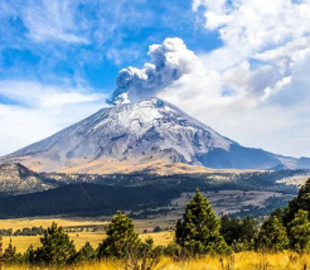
(1, 253)
(231, 229)
(302, 201)
(273, 236)
(239, 233)
(86, 253)
(10, 255)
(144, 256)
(57, 249)
(281, 214)
(29, 255)
(121, 238)
(299, 232)
(199, 230)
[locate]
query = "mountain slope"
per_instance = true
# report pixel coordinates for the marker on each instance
(86, 200)
(17, 179)
(142, 135)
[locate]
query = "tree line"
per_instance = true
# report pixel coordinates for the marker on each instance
(197, 233)
(26, 231)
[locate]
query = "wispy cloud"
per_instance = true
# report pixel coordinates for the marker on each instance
(48, 20)
(36, 111)
(36, 95)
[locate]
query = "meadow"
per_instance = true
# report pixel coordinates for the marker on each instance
(80, 238)
(239, 261)
(272, 236)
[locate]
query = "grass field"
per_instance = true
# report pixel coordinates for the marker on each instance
(79, 238)
(240, 261)
(46, 222)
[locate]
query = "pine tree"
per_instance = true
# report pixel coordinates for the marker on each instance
(299, 232)
(121, 238)
(57, 249)
(199, 230)
(144, 256)
(29, 255)
(273, 236)
(10, 254)
(302, 201)
(231, 229)
(1, 253)
(239, 233)
(86, 253)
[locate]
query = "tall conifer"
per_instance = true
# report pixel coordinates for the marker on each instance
(299, 232)
(199, 230)
(121, 238)
(273, 236)
(1, 252)
(57, 248)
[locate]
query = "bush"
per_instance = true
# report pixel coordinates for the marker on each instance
(143, 257)
(157, 229)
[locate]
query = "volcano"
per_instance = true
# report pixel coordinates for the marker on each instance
(143, 135)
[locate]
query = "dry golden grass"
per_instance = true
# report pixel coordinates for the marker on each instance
(160, 239)
(241, 261)
(80, 238)
(17, 223)
(23, 242)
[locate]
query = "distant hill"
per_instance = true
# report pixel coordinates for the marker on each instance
(142, 136)
(17, 179)
(96, 195)
(85, 200)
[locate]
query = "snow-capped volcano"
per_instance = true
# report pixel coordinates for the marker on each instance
(141, 133)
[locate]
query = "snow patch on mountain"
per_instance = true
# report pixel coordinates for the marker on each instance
(142, 132)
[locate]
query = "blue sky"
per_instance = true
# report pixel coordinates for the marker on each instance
(94, 41)
(241, 65)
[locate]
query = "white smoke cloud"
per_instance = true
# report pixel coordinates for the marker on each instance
(253, 89)
(169, 62)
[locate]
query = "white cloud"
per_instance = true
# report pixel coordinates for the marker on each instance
(37, 111)
(254, 89)
(247, 27)
(256, 86)
(48, 20)
(36, 95)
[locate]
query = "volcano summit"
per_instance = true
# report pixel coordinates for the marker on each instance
(143, 135)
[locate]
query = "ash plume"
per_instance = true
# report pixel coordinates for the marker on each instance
(169, 61)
